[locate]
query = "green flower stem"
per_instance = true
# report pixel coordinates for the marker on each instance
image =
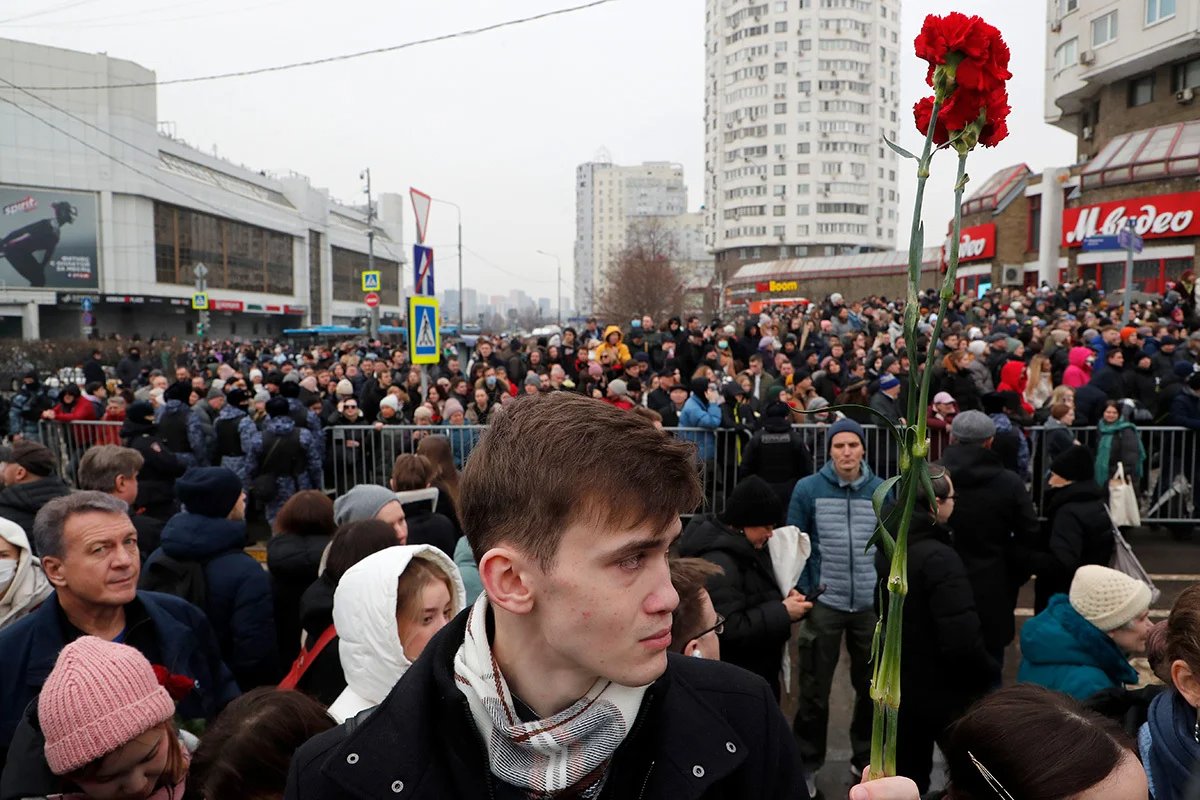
(885, 683)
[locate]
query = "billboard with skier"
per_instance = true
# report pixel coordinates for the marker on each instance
(48, 239)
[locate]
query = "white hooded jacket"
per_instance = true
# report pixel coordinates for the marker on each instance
(364, 614)
(29, 587)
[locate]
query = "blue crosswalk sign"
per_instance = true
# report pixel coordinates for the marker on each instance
(423, 334)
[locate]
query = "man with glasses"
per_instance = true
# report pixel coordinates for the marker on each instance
(695, 611)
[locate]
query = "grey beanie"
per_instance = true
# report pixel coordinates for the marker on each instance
(361, 502)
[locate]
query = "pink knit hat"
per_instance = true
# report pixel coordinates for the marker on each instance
(100, 696)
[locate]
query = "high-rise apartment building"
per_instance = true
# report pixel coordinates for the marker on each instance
(608, 198)
(799, 95)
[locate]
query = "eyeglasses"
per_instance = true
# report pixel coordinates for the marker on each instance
(349, 407)
(995, 785)
(718, 629)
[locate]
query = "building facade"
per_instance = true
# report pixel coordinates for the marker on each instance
(799, 95)
(128, 212)
(608, 199)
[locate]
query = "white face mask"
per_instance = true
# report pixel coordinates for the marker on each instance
(8, 570)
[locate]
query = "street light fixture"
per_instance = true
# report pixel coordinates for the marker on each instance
(558, 283)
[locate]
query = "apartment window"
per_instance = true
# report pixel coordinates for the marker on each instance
(781, 6)
(781, 27)
(802, 148)
(1067, 54)
(1067, 6)
(1034, 225)
(781, 169)
(780, 67)
(1185, 75)
(803, 188)
(779, 230)
(802, 230)
(1141, 90)
(1104, 29)
(780, 128)
(779, 211)
(781, 108)
(1158, 10)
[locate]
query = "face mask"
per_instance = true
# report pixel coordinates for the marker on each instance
(490, 380)
(8, 570)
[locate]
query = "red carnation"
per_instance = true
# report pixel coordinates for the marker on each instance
(983, 55)
(178, 686)
(922, 111)
(996, 128)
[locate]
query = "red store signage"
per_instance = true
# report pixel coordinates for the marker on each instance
(977, 243)
(226, 305)
(1155, 217)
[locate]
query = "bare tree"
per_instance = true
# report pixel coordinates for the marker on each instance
(644, 276)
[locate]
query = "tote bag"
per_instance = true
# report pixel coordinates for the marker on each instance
(1122, 501)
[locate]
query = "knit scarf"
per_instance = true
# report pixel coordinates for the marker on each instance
(1173, 751)
(566, 755)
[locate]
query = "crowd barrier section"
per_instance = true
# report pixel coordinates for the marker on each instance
(357, 454)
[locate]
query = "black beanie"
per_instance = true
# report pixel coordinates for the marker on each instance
(209, 491)
(179, 390)
(278, 407)
(140, 411)
(289, 389)
(751, 503)
(1075, 464)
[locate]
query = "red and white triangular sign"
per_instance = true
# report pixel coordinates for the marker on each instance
(421, 203)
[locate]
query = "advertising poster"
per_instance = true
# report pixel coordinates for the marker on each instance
(48, 239)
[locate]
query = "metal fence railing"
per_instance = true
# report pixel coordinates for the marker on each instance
(365, 454)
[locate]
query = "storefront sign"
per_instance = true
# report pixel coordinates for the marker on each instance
(226, 305)
(1156, 217)
(777, 286)
(294, 309)
(977, 243)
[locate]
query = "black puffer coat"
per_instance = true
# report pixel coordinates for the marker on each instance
(1078, 531)
(945, 665)
(995, 534)
(292, 560)
(756, 622)
(324, 679)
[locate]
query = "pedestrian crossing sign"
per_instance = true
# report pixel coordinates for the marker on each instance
(424, 337)
(200, 301)
(370, 280)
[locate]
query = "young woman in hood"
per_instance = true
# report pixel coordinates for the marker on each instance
(23, 587)
(386, 609)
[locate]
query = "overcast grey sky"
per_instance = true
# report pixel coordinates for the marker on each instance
(496, 122)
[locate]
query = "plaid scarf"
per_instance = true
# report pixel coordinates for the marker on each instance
(566, 755)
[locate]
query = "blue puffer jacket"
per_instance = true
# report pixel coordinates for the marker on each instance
(1063, 651)
(238, 592)
(840, 520)
(696, 414)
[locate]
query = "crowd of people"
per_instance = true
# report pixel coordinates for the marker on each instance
(474, 572)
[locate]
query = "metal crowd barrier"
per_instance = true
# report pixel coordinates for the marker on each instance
(357, 454)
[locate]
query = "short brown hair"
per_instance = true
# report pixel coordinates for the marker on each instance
(353, 542)
(411, 471)
(1183, 629)
(1059, 410)
(103, 464)
(308, 513)
(521, 484)
(689, 576)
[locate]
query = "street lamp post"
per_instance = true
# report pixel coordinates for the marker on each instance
(458, 211)
(557, 283)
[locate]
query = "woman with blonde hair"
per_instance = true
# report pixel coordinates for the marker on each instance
(1039, 386)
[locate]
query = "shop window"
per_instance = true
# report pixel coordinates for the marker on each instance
(238, 256)
(1034, 224)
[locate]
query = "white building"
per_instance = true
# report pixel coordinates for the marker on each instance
(799, 95)
(608, 198)
(148, 207)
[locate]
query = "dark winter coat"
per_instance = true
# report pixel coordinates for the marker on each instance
(307, 474)
(178, 637)
(1063, 651)
(945, 665)
(237, 594)
(778, 454)
(128, 369)
(21, 501)
(705, 730)
(427, 527)
(324, 679)
(995, 532)
(1078, 532)
(160, 468)
(292, 562)
(757, 625)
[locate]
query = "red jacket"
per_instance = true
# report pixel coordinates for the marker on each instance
(622, 403)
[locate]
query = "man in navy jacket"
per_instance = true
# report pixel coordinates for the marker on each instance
(89, 553)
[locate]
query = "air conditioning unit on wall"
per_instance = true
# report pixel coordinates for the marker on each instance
(1087, 57)
(1012, 275)
(1185, 96)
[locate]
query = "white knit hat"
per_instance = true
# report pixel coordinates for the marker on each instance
(1106, 598)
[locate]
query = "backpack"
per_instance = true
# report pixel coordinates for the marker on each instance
(181, 578)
